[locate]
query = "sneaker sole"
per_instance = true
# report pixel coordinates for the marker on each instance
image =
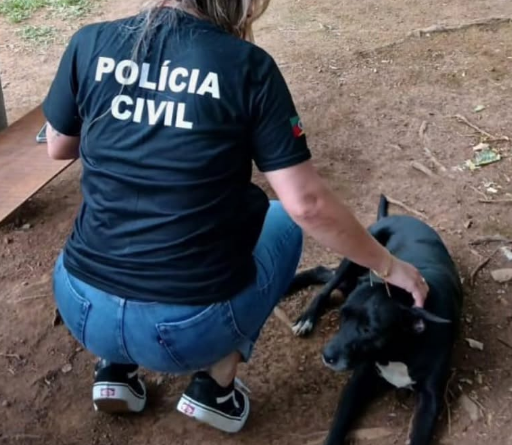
(216, 419)
(117, 398)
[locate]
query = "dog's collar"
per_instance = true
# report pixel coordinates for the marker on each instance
(372, 272)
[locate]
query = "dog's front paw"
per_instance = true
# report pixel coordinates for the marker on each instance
(304, 325)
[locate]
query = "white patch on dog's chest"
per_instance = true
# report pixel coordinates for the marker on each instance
(396, 373)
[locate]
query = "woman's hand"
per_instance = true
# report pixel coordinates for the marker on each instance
(407, 277)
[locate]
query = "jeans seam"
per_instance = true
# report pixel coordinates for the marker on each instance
(169, 350)
(285, 236)
(235, 324)
(120, 329)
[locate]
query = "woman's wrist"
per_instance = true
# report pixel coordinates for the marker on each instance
(385, 271)
(383, 263)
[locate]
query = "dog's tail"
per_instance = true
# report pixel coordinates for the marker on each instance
(383, 207)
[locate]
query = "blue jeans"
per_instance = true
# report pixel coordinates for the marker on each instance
(180, 339)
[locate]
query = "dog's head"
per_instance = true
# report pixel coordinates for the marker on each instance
(371, 321)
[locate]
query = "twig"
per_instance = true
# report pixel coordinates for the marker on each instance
(397, 147)
(447, 402)
(480, 266)
(423, 169)
(18, 437)
(310, 435)
(31, 298)
(16, 356)
(474, 252)
(490, 239)
(281, 316)
(434, 159)
(503, 342)
(487, 135)
(482, 194)
(431, 30)
(405, 207)
(423, 129)
(476, 402)
(446, 28)
(496, 201)
(422, 133)
(447, 392)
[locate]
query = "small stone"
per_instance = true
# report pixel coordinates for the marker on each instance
(7, 240)
(502, 275)
(159, 380)
(26, 226)
(6, 404)
(467, 381)
(67, 368)
(473, 344)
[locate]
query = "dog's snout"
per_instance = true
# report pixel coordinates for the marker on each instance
(329, 358)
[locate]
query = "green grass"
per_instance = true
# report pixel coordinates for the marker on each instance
(17, 11)
(39, 35)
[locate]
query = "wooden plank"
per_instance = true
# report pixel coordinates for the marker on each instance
(24, 164)
(3, 112)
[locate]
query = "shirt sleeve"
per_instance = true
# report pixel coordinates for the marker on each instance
(278, 137)
(60, 105)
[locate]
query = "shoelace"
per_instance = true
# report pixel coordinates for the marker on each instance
(241, 386)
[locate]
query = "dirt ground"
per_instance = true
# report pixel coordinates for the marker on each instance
(372, 97)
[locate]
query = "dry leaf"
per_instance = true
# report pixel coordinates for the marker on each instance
(502, 275)
(470, 164)
(370, 433)
(507, 252)
(486, 157)
(472, 409)
(481, 146)
(473, 344)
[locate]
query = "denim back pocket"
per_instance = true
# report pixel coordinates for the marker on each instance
(201, 340)
(73, 308)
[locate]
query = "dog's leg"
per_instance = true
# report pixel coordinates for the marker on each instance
(428, 406)
(345, 279)
(308, 319)
(364, 386)
(310, 277)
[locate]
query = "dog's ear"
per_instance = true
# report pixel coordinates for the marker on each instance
(428, 316)
(420, 316)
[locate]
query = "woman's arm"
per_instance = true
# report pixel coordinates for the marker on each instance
(60, 146)
(314, 207)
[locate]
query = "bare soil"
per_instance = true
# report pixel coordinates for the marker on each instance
(372, 97)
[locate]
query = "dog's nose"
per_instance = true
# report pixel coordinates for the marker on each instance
(329, 359)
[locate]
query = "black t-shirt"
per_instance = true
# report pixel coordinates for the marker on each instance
(169, 212)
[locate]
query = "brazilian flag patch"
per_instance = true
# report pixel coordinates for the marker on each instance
(298, 129)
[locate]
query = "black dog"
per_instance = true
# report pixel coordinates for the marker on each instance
(386, 341)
